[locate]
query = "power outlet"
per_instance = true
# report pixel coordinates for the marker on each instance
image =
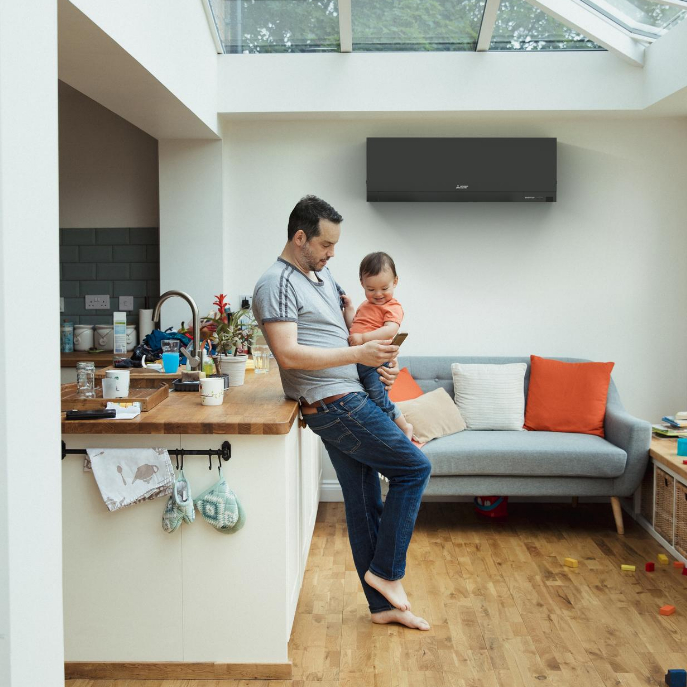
(247, 297)
(97, 302)
(126, 302)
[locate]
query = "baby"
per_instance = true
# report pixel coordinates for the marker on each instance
(378, 317)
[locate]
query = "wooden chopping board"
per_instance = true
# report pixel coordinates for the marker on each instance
(143, 373)
(148, 397)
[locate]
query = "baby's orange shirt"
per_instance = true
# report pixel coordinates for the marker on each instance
(370, 316)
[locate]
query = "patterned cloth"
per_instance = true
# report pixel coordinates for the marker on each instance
(130, 475)
(179, 506)
(220, 507)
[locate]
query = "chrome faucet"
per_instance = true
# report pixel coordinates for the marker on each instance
(194, 356)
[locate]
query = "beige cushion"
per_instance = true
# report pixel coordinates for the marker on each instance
(432, 415)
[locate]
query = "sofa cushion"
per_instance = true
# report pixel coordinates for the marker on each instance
(405, 388)
(432, 415)
(567, 397)
(535, 454)
(489, 396)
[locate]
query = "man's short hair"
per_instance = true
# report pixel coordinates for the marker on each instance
(307, 214)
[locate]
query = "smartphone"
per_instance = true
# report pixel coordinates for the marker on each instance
(399, 338)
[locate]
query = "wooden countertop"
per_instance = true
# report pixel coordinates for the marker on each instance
(664, 451)
(258, 407)
(100, 359)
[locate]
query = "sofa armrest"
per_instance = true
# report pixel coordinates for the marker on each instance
(633, 436)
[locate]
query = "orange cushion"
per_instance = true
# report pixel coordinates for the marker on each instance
(405, 388)
(567, 397)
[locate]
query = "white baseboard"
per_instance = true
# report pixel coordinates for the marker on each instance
(330, 491)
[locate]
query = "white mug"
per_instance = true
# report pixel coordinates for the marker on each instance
(121, 378)
(109, 387)
(212, 391)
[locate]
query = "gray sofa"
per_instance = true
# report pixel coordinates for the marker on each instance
(528, 463)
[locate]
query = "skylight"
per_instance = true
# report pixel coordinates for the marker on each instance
(297, 26)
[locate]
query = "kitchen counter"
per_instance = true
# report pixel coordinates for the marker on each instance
(257, 407)
(141, 603)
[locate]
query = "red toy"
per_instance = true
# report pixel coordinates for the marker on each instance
(492, 506)
(684, 571)
(650, 566)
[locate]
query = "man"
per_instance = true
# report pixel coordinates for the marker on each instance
(297, 305)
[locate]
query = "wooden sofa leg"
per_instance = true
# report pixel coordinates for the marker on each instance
(574, 501)
(617, 514)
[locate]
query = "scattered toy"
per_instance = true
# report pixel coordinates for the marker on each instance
(678, 564)
(663, 559)
(676, 678)
(649, 567)
(631, 568)
(667, 610)
(570, 562)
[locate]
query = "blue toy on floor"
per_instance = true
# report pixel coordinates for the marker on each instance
(676, 678)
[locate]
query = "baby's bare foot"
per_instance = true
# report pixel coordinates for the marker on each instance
(404, 617)
(392, 591)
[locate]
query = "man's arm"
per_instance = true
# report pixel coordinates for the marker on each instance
(283, 342)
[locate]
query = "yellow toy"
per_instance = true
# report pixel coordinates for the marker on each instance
(663, 559)
(631, 568)
(570, 562)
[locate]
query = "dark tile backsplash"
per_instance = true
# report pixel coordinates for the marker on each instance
(115, 262)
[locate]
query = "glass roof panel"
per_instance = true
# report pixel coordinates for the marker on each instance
(269, 26)
(415, 25)
(523, 27)
(640, 17)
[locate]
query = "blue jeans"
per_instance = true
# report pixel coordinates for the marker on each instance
(361, 441)
(369, 377)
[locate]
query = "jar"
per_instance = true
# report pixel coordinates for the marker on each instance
(85, 379)
(67, 337)
(83, 337)
(104, 336)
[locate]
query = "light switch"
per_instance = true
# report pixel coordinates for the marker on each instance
(126, 302)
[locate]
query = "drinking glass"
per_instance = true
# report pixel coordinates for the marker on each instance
(85, 379)
(170, 355)
(261, 358)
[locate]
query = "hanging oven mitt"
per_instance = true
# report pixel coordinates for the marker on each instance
(220, 507)
(179, 505)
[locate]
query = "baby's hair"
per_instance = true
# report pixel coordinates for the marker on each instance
(374, 263)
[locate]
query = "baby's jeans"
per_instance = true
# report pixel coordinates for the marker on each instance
(369, 377)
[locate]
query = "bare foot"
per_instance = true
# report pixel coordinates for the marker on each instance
(404, 617)
(405, 427)
(392, 591)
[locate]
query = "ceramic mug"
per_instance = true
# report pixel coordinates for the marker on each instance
(121, 378)
(212, 391)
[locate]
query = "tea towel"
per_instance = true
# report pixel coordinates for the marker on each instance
(130, 475)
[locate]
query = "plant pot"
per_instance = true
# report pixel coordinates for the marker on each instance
(234, 366)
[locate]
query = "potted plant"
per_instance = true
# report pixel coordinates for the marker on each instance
(233, 333)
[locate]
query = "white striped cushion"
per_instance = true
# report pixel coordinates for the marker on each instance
(490, 396)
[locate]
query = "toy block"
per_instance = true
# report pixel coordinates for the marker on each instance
(676, 678)
(678, 564)
(570, 562)
(631, 568)
(667, 610)
(662, 559)
(684, 571)
(649, 567)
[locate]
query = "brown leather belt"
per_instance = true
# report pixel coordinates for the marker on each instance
(307, 408)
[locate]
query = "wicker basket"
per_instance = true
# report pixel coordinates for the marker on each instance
(681, 518)
(646, 501)
(663, 513)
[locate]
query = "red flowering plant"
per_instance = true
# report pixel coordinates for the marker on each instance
(230, 330)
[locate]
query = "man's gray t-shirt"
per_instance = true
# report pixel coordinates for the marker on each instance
(285, 294)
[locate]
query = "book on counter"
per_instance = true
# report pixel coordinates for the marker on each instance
(673, 421)
(665, 430)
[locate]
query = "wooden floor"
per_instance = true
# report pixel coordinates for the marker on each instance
(504, 610)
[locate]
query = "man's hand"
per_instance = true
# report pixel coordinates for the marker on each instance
(388, 374)
(376, 353)
(355, 340)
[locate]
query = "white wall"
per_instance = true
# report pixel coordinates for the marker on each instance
(31, 650)
(170, 39)
(191, 228)
(597, 275)
(108, 167)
